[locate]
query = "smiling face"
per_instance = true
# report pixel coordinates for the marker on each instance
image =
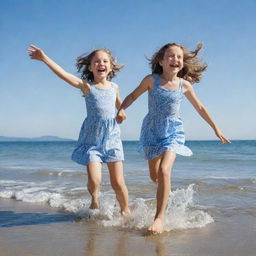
(172, 61)
(100, 66)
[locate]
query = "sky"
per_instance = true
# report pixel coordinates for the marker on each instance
(35, 102)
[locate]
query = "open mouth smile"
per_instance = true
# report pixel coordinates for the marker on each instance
(174, 66)
(101, 70)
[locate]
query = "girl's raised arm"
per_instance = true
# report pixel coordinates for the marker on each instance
(146, 84)
(201, 109)
(38, 54)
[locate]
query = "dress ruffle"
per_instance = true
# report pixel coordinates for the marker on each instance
(151, 152)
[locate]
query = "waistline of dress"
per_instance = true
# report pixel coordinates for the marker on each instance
(163, 116)
(100, 118)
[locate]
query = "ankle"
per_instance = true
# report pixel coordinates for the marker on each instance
(125, 213)
(159, 217)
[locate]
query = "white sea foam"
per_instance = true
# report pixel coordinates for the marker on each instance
(38, 197)
(62, 173)
(6, 194)
(181, 213)
(28, 191)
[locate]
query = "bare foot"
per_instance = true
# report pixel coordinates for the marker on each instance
(126, 213)
(156, 227)
(94, 205)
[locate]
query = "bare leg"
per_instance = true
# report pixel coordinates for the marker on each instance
(94, 180)
(118, 184)
(154, 168)
(163, 190)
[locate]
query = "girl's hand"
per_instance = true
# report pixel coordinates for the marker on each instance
(222, 138)
(121, 116)
(36, 53)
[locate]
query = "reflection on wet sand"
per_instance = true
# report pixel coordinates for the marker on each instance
(123, 244)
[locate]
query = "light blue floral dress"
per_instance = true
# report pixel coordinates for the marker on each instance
(99, 139)
(162, 128)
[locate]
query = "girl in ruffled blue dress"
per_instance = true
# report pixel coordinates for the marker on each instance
(99, 140)
(174, 68)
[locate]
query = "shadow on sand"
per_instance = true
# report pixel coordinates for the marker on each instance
(11, 219)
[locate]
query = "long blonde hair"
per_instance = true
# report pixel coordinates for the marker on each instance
(192, 69)
(83, 63)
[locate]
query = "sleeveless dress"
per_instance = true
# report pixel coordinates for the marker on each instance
(162, 128)
(99, 139)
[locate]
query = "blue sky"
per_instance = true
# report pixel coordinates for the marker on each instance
(34, 102)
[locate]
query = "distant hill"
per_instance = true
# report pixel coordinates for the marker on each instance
(42, 138)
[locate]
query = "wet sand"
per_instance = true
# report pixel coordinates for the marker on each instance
(39, 230)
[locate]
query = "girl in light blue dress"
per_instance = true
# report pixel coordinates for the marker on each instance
(99, 139)
(174, 68)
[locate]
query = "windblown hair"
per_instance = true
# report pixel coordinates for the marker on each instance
(83, 63)
(193, 67)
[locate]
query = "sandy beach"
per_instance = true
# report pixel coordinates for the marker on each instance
(41, 230)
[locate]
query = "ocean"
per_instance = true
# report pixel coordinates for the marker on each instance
(215, 185)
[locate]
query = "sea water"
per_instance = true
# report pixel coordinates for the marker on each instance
(217, 182)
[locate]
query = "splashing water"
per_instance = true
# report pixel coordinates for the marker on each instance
(181, 212)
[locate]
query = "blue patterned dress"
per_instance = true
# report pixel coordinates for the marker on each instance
(162, 128)
(99, 139)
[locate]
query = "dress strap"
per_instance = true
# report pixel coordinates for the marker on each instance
(181, 84)
(86, 89)
(156, 82)
(113, 85)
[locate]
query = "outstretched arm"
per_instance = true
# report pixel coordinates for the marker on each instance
(146, 84)
(201, 109)
(38, 54)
